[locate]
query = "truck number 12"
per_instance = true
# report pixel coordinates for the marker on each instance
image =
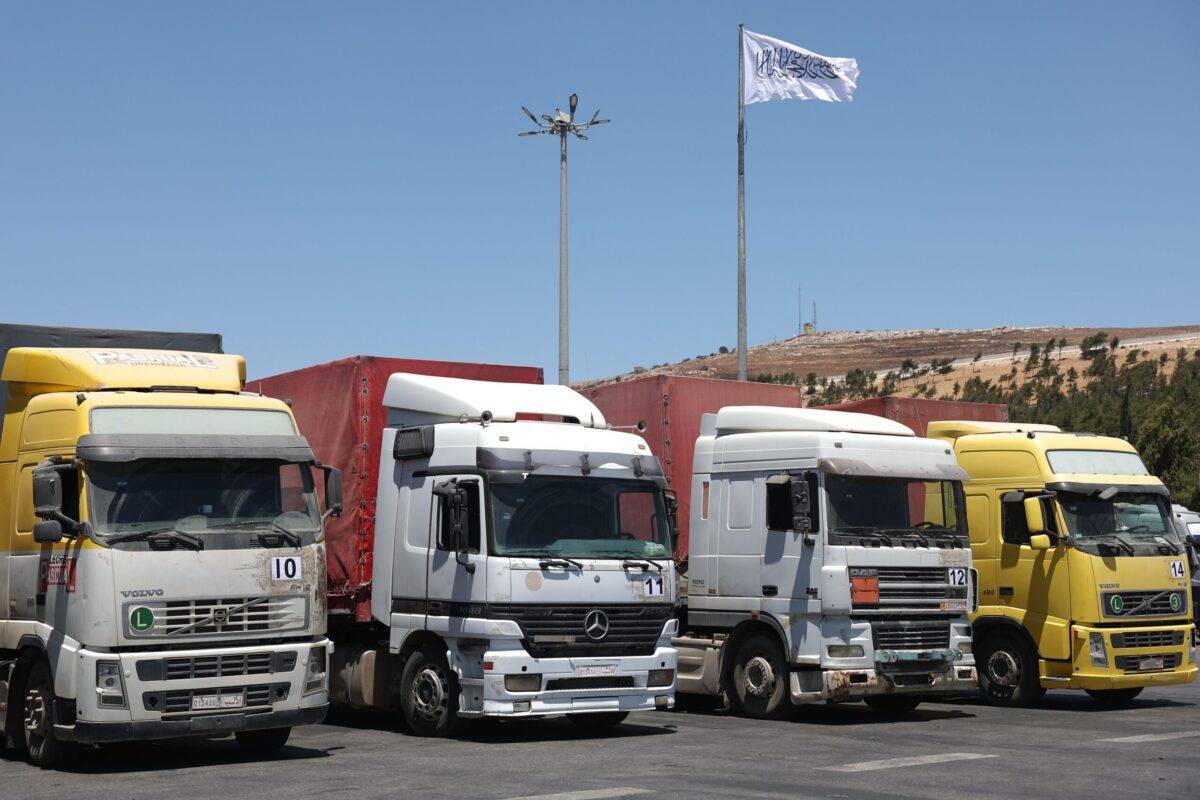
(286, 568)
(958, 576)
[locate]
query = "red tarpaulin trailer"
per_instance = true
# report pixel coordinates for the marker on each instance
(671, 407)
(339, 407)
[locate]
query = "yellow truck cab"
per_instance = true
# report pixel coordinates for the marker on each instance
(1083, 580)
(162, 565)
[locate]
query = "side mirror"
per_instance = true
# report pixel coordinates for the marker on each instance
(458, 516)
(334, 501)
(1035, 520)
(801, 505)
(47, 493)
(1039, 541)
(671, 500)
(48, 531)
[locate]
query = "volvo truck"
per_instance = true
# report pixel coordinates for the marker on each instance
(1083, 579)
(828, 562)
(518, 550)
(162, 571)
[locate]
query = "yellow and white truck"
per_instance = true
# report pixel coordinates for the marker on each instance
(161, 556)
(1083, 580)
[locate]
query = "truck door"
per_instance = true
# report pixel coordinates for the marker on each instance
(456, 578)
(24, 555)
(1034, 582)
(741, 535)
(791, 559)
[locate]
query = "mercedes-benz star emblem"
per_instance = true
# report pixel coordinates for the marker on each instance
(595, 625)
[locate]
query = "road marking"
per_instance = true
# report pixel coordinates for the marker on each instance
(1153, 737)
(908, 761)
(587, 794)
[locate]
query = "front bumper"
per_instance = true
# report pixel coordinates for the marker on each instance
(897, 672)
(564, 690)
(256, 687)
(1122, 670)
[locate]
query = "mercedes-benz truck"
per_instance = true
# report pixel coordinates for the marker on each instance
(162, 571)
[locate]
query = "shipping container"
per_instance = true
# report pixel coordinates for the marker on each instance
(339, 409)
(100, 338)
(917, 412)
(670, 406)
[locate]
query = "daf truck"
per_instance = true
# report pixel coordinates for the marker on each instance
(517, 549)
(1083, 579)
(828, 561)
(162, 568)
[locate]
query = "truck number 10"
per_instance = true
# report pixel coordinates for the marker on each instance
(958, 576)
(286, 568)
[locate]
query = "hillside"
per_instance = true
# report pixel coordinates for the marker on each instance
(929, 361)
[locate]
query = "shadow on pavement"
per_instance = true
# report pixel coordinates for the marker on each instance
(1079, 701)
(136, 757)
(852, 713)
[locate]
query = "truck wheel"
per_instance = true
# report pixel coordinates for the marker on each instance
(760, 679)
(37, 710)
(1008, 672)
(263, 742)
(599, 721)
(1114, 697)
(429, 693)
(892, 703)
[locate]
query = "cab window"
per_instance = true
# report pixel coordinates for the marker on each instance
(1014, 529)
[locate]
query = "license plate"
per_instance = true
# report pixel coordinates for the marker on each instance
(1155, 662)
(596, 670)
(212, 702)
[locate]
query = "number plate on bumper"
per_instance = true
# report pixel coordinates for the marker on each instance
(212, 702)
(595, 670)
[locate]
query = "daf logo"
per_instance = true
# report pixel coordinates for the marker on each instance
(220, 616)
(595, 625)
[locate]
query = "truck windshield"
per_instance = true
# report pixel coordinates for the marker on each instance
(589, 517)
(1126, 519)
(196, 496)
(895, 511)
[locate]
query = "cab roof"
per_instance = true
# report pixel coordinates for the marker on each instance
(765, 419)
(453, 399)
(40, 370)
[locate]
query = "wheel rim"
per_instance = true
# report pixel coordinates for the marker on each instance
(37, 718)
(430, 691)
(1004, 669)
(758, 677)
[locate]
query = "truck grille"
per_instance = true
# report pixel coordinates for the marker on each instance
(1132, 664)
(218, 666)
(177, 703)
(558, 631)
(1147, 639)
(912, 587)
(1152, 603)
(915, 635)
(207, 616)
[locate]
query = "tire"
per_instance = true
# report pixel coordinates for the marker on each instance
(1008, 672)
(263, 742)
(429, 693)
(1114, 697)
(892, 703)
(603, 720)
(42, 748)
(759, 679)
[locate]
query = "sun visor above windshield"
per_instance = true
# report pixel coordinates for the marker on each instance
(857, 467)
(568, 462)
(140, 446)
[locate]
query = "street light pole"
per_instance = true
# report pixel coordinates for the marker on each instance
(560, 125)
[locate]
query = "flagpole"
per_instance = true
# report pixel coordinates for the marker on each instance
(741, 277)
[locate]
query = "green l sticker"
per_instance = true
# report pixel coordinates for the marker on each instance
(141, 619)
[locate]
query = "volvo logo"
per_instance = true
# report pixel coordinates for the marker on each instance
(220, 616)
(595, 625)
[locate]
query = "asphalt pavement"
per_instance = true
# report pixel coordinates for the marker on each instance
(1069, 747)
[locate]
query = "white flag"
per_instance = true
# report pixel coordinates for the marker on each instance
(776, 70)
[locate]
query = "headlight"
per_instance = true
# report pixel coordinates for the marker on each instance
(1096, 647)
(110, 686)
(314, 674)
(523, 683)
(845, 651)
(660, 677)
(965, 648)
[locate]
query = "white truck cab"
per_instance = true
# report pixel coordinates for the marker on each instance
(829, 561)
(522, 561)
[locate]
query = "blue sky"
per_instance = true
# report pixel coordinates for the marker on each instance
(318, 180)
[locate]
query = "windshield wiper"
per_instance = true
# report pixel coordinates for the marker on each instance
(867, 532)
(641, 561)
(547, 558)
(154, 535)
(1109, 539)
(289, 536)
(906, 533)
